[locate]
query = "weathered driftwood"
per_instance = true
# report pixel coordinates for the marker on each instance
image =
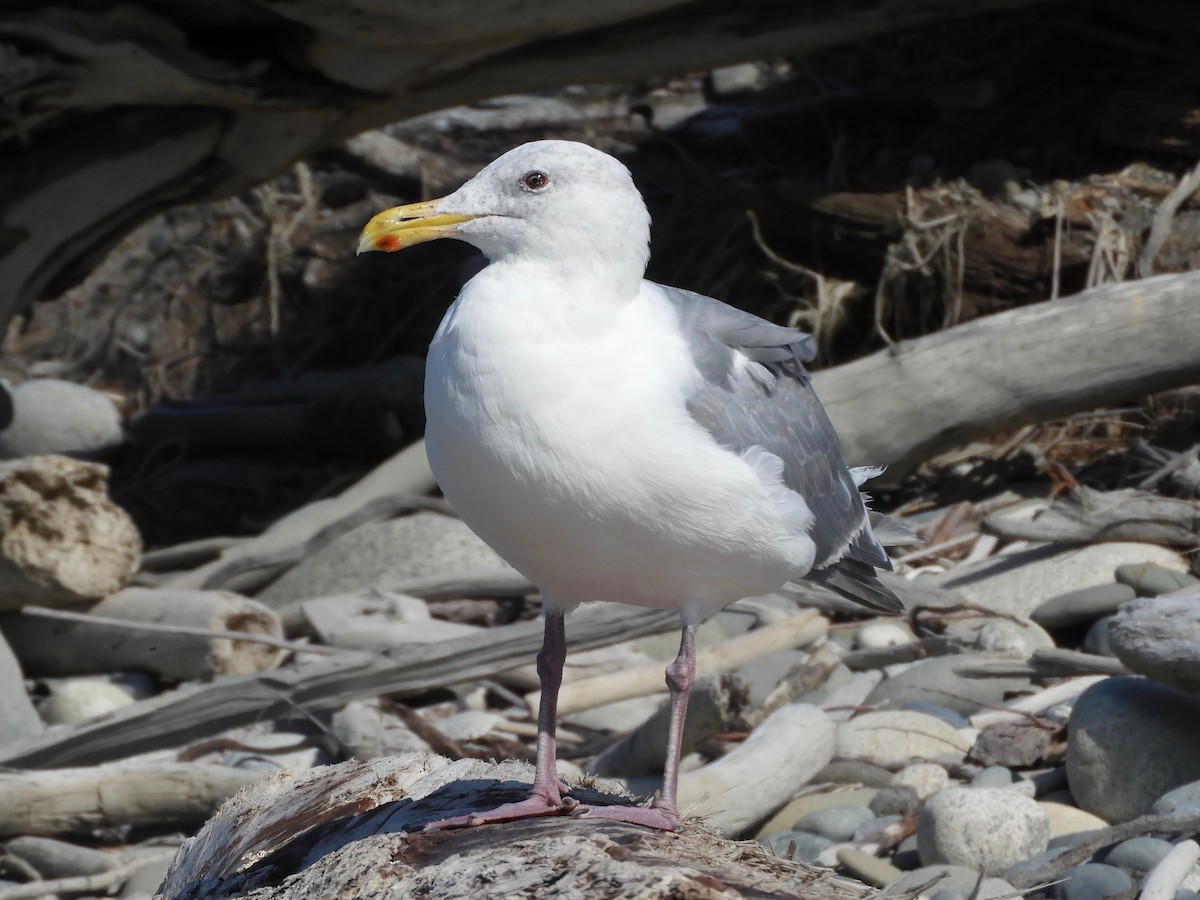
(62, 541)
(588, 693)
(1103, 346)
(209, 120)
(49, 646)
(354, 829)
(1087, 516)
(53, 858)
(1160, 637)
(197, 711)
(1046, 662)
(77, 801)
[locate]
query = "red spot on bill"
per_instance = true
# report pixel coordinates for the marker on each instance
(387, 242)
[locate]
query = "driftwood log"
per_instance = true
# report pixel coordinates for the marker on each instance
(120, 112)
(197, 711)
(354, 830)
(1103, 346)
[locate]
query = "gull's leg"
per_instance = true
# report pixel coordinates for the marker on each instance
(545, 797)
(664, 814)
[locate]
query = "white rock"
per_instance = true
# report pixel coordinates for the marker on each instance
(468, 725)
(898, 736)
(1005, 638)
(988, 829)
(1066, 819)
(881, 635)
(924, 778)
(60, 417)
(73, 700)
(1018, 583)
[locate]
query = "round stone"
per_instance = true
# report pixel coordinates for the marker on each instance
(1130, 740)
(895, 800)
(1070, 820)
(924, 778)
(1151, 580)
(1183, 800)
(993, 777)
(1093, 881)
(1141, 854)
(988, 829)
(1082, 606)
(837, 823)
(798, 845)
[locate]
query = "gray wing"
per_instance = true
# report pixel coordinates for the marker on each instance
(773, 406)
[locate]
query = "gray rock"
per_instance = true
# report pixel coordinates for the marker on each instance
(1093, 881)
(935, 681)
(1182, 800)
(59, 417)
(1150, 580)
(18, 718)
(799, 845)
(924, 778)
(987, 829)
(1158, 637)
(867, 867)
(1141, 854)
(874, 826)
(1004, 638)
(765, 673)
(895, 800)
(837, 823)
(1096, 640)
(1018, 583)
(1085, 605)
(960, 880)
(993, 777)
(1131, 740)
(381, 553)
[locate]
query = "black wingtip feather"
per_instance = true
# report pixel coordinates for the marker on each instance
(858, 582)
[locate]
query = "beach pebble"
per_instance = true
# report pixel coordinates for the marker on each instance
(993, 777)
(1096, 640)
(1150, 580)
(1001, 637)
(379, 553)
(1131, 740)
(898, 736)
(73, 700)
(1183, 800)
(856, 772)
(895, 800)
(881, 635)
(800, 845)
(1140, 854)
(1093, 881)
(838, 823)
(1065, 819)
(926, 779)
(988, 829)
(1082, 606)
(786, 818)
(867, 868)
(1159, 638)
(60, 417)
(960, 880)
(1018, 583)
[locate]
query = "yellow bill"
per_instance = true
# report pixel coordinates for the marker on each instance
(414, 223)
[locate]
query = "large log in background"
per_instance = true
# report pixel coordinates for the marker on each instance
(114, 112)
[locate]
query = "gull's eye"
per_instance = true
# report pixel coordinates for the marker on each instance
(534, 181)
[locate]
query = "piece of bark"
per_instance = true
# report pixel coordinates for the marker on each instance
(1088, 516)
(588, 693)
(63, 648)
(1102, 346)
(62, 540)
(197, 711)
(353, 829)
(716, 704)
(1159, 637)
(77, 801)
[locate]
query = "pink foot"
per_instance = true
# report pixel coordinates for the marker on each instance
(530, 808)
(648, 816)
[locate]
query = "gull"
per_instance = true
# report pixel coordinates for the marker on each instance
(615, 439)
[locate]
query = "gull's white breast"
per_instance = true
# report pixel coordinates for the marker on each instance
(557, 429)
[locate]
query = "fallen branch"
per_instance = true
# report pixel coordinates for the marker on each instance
(1102, 346)
(198, 711)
